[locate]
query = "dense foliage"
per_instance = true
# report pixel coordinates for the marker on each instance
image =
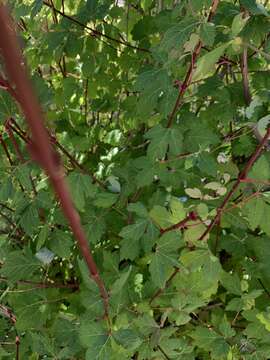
(159, 110)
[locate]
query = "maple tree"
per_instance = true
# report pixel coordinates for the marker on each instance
(136, 226)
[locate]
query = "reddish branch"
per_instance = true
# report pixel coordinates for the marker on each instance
(14, 142)
(181, 224)
(19, 154)
(4, 84)
(9, 314)
(40, 147)
(189, 74)
(241, 177)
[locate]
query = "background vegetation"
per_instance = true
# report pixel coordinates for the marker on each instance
(159, 110)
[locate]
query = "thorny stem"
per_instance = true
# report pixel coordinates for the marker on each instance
(188, 78)
(41, 149)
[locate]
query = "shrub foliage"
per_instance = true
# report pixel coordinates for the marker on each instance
(159, 111)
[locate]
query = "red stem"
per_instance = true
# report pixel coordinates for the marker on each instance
(189, 74)
(242, 176)
(41, 148)
(181, 224)
(18, 152)
(17, 343)
(14, 142)
(4, 84)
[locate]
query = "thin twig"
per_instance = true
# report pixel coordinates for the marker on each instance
(188, 78)
(96, 32)
(86, 100)
(4, 145)
(244, 70)
(264, 288)
(17, 342)
(18, 152)
(163, 352)
(44, 285)
(160, 291)
(181, 224)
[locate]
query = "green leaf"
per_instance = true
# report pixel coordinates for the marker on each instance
(96, 338)
(167, 217)
(165, 257)
(29, 219)
(152, 84)
(238, 23)
(19, 266)
(36, 7)
(255, 210)
(200, 136)
(82, 188)
(231, 283)
(163, 140)
(264, 319)
(134, 231)
(138, 208)
(208, 33)
(178, 34)
(130, 246)
(105, 200)
(254, 7)
(206, 64)
(120, 283)
(128, 338)
(260, 170)
(209, 340)
(61, 244)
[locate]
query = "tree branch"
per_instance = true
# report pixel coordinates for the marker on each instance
(189, 74)
(242, 176)
(181, 224)
(41, 149)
